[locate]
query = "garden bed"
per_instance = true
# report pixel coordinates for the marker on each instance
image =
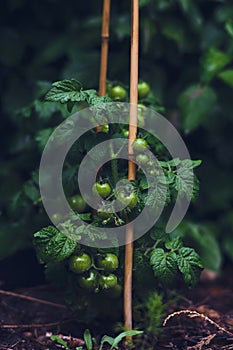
(28, 323)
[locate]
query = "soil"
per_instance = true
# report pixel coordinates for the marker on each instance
(202, 320)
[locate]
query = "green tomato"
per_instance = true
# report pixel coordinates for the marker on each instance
(118, 93)
(114, 292)
(128, 199)
(143, 89)
(109, 262)
(89, 281)
(77, 203)
(103, 189)
(125, 132)
(139, 145)
(105, 128)
(80, 263)
(154, 172)
(142, 158)
(108, 281)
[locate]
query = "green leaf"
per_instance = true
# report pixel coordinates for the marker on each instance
(184, 178)
(115, 341)
(66, 90)
(53, 245)
(164, 265)
(192, 12)
(157, 233)
(144, 183)
(45, 110)
(202, 238)
(106, 339)
(174, 244)
(157, 196)
(88, 339)
(31, 190)
(227, 76)
(189, 264)
(42, 137)
(229, 27)
(173, 30)
(195, 103)
(213, 61)
(59, 341)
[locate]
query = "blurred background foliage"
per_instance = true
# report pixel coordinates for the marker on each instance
(186, 55)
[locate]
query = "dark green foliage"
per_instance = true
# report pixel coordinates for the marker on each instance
(186, 55)
(53, 245)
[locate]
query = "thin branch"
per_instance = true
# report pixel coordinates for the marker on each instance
(193, 314)
(39, 325)
(26, 297)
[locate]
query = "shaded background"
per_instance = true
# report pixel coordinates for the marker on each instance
(186, 55)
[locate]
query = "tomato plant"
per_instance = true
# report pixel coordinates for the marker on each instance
(100, 271)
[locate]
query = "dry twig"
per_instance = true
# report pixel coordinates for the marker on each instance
(27, 297)
(193, 314)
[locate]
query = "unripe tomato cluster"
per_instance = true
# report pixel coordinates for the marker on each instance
(118, 93)
(95, 274)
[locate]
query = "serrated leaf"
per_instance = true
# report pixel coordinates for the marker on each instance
(66, 90)
(184, 180)
(189, 264)
(174, 244)
(157, 196)
(227, 76)
(213, 61)
(202, 238)
(144, 183)
(195, 103)
(53, 245)
(164, 265)
(157, 233)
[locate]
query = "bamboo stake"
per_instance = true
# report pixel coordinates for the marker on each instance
(104, 47)
(131, 165)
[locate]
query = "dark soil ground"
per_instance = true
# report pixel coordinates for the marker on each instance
(202, 320)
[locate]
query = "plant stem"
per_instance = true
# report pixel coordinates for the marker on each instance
(131, 165)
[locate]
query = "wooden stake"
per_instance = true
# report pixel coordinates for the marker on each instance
(131, 165)
(104, 47)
